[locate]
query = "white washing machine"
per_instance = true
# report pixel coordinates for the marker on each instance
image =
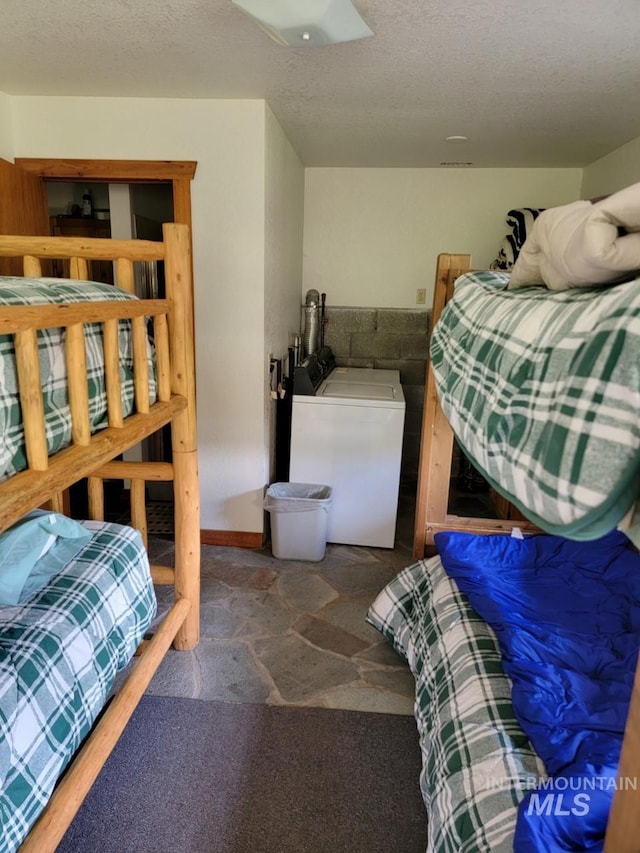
(349, 436)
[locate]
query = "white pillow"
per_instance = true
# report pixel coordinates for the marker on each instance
(582, 244)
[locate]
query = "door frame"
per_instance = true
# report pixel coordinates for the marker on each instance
(179, 173)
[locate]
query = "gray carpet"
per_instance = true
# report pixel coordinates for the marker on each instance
(190, 776)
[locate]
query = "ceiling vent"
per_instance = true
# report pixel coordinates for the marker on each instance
(455, 164)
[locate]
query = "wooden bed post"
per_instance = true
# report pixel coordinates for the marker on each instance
(623, 828)
(436, 446)
(183, 430)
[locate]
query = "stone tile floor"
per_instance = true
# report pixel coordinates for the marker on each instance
(285, 632)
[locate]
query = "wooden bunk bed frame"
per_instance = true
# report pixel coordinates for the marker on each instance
(436, 447)
(92, 456)
(432, 516)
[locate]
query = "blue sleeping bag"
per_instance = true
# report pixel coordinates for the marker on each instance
(567, 618)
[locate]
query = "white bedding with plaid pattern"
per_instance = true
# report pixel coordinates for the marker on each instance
(542, 390)
(477, 764)
(53, 369)
(59, 654)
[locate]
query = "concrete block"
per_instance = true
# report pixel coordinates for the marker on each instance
(339, 342)
(375, 345)
(347, 321)
(390, 364)
(414, 346)
(403, 321)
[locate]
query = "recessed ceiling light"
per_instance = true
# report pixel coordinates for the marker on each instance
(457, 139)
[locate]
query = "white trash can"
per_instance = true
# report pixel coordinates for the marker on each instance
(299, 520)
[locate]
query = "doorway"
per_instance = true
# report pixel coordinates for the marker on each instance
(123, 211)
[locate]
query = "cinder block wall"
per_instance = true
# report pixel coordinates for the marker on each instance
(391, 339)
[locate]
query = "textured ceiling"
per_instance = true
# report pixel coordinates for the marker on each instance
(533, 83)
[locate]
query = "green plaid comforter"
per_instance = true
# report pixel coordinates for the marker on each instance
(59, 654)
(542, 390)
(53, 370)
(477, 764)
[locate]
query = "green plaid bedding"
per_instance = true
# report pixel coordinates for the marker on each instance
(477, 764)
(59, 654)
(542, 390)
(53, 370)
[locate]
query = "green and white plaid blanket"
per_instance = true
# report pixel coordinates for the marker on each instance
(542, 390)
(59, 654)
(53, 370)
(477, 764)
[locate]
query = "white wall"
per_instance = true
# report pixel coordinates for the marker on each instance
(284, 203)
(228, 200)
(6, 128)
(616, 170)
(372, 236)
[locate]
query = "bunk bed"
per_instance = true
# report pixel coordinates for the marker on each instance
(88, 371)
(483, 647)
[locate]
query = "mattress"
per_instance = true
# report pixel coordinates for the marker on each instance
(53, 370)
(542, 391)
(478, 764)
(59, 655)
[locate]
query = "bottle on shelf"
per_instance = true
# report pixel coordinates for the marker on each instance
(87, 206)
